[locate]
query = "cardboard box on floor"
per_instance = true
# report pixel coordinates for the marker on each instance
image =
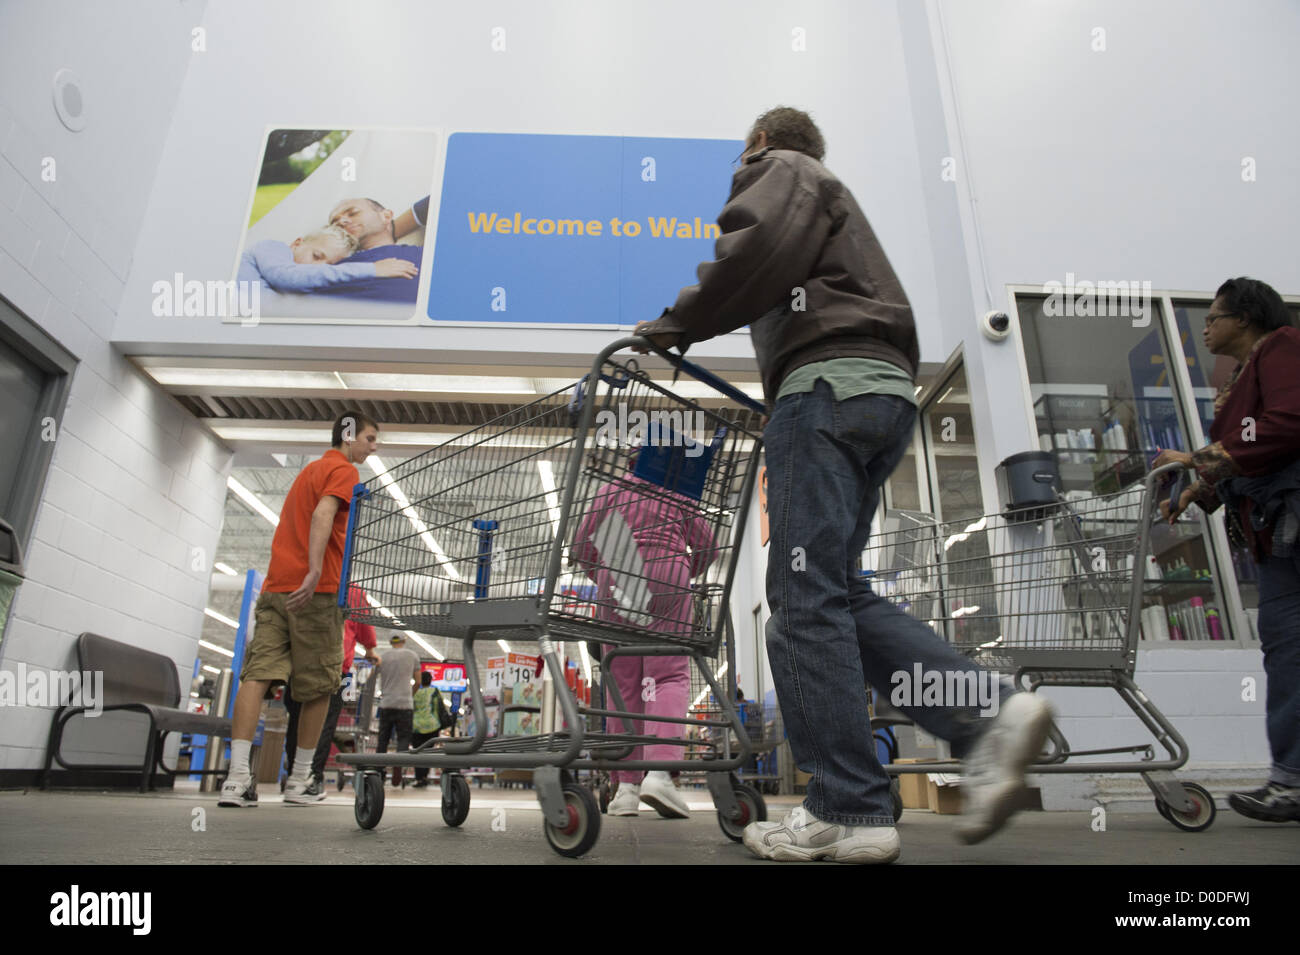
(944, 794)
(912, 787)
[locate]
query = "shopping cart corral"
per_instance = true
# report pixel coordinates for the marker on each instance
(1051, 596)
(474, 540)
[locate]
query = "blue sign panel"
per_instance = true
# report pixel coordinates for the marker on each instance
(594, 230)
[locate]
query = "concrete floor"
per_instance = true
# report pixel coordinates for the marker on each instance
(504, 826)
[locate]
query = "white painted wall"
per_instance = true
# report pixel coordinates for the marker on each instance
(673, 69)
(136, 483)
(1122, 164)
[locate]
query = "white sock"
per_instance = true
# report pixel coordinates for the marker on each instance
(239, 758)
(302, 762)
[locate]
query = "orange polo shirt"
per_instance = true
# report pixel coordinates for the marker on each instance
(330, 475)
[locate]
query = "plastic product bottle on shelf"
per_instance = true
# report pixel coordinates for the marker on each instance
(1213, 623)
(1196, 619)
(1175, 632)
(1153, 568)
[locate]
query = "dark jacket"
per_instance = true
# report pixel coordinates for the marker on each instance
(788, 224)
(1255, 434)
(1272, 504)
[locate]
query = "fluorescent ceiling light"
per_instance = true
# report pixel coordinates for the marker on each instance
(422, 529)
(547, 473)
(697, 389)
(210, 670)
(233, 624)
(242, 378)
(285, 380)
(420, 640)
(706, 691)
(410, 633)
(212, 646)
(225, 569)
(253, 501)
(586, 660)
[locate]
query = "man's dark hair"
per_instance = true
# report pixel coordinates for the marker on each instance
(789, 128)
(1254, 301)
(353, 422)
(426, 678)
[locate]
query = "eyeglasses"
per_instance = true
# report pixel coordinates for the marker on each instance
(1211, 319)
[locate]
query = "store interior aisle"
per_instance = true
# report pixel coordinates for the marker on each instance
(505, 828)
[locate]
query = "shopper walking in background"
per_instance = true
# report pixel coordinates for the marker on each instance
(354, 633)
(428, 717)
(837, 350)
(299, 626)
(1253, 465)
(399, 668)
(643, 545)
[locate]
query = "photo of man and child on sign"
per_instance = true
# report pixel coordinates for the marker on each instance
(337, 225)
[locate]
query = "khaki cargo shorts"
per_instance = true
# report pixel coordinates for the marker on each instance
(304, 649)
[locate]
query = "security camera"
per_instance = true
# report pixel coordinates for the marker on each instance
(995, 325)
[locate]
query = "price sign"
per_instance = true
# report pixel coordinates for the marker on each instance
(511, 669)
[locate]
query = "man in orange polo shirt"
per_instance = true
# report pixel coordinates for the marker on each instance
(299, 627)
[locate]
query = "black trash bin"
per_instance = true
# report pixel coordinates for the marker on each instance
(1028, 482)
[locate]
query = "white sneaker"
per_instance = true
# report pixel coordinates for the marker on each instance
(802, 837)
(237, 792)
(303, 792)
(657, 790)
(625, 801)
(993, 775)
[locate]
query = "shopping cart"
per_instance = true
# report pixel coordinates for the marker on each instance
(476, 539)
(355, 731)
(1053, 596)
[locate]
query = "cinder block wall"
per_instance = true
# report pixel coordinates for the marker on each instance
(128, 524)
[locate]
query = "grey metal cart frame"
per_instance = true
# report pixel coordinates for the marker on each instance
(1053, 594)
(470, 539)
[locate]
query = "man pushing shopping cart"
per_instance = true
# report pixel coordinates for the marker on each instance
(837, 349)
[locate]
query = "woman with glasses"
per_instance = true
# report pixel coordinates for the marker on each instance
(1252, 466)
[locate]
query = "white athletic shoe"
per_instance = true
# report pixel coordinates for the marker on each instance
(303, 792)
(993, 775)
(657, 790)
(802, 837)
(625, 801)
(239, 793)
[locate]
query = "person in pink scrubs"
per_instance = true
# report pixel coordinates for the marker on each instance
(642, 545)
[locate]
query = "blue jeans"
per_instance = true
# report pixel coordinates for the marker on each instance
(1279, 638)
(829, 634)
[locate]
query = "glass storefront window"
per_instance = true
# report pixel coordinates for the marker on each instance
(1105, 404)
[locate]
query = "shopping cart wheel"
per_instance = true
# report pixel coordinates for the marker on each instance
(369, 802)
(455, 800)
(603, 795)
(896, 798)
(583, 828)
(752, 809)
(342, 780)
(1197, 819)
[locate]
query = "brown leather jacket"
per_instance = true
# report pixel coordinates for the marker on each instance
(790, 225)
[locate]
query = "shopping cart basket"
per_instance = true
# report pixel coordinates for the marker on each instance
(488, 536)
(1053, 596)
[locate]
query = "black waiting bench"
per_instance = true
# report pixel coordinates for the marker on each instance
(140, 681)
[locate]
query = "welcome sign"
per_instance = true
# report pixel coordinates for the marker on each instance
(589, 230)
